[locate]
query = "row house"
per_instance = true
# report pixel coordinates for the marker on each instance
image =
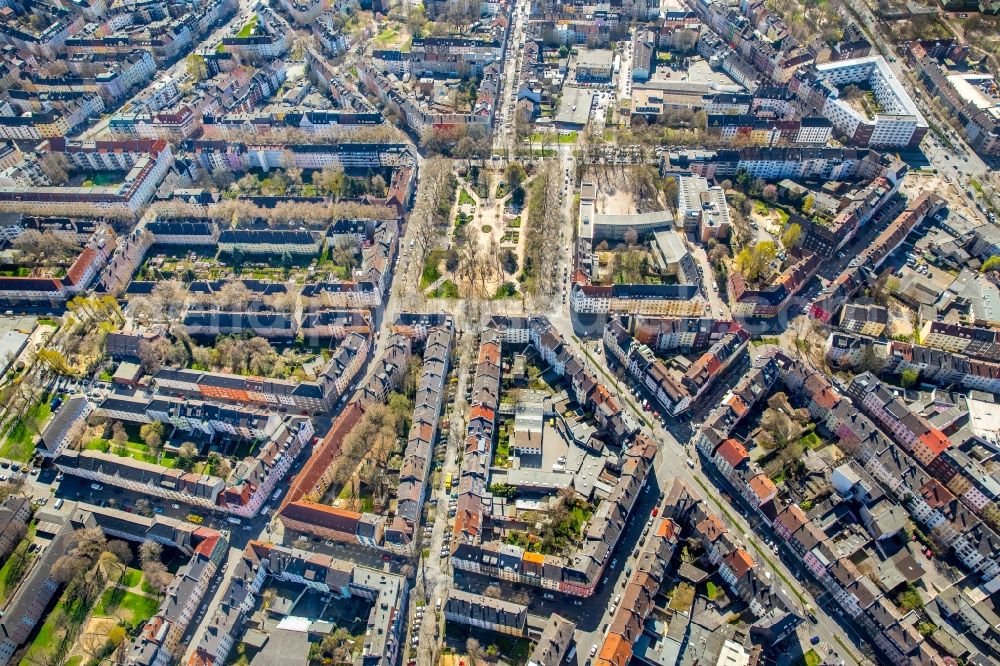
(159, 640)
(674, 391)
(192, 416)
(269, 241)
(682, 333)
(735, 566)
(858, 597)
(282, 395)
(27, 606)
(15, 513)
(580, 573)
(341, 295)
(771, 299)
(342, 579)
(262, 323)
(940, 367)
(417, 457)
(124, 199)
(476, 610)
(331, 324)
(327, 522)
(242, 493)
(949, 520)
(388, 372)
(183, 233)
(173, 125)
(318, 123)
(638, 597)
(753, 386)
(238, 156)
(972, 341)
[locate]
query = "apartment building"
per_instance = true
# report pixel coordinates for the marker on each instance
(15, 512)
(37, 587)
(65, 426)
(262, 323)
(173, 125)
(972, 341)
(269, 242)
(939, 64)
(242, 493)
(668, 300)
(401, 535)
(554, 644)
(771, 299)
(159, 640)
(783, 162)
(476, 610)
(675, 391)
(317, 473)
(875, 253)
(868, 320)
(898, 123)
(816, 549)
(146, 164)
(183, 233)
(332, 324)
(308, 397)
(209, 154)
(335, 579)
(317, 123)
(750, 130)
(471, 549)
(124, 73)
(703, 209)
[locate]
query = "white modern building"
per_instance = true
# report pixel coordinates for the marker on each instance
(897, 123)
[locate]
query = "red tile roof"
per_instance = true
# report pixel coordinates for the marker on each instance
(763, 487)
(320, 515)
(80, 266)
(935, 441)
(711, 528)
(739, 561)
(666, 529)
(481, 411)
(732, 452)
(616, 651)
(324, 453)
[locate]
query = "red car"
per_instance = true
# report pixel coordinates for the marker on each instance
(656, 510)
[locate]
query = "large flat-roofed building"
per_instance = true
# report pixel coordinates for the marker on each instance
(896, 123)
(594, 66)
(574, 108)
(596, 225)
(654, 97)
(702, 209)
